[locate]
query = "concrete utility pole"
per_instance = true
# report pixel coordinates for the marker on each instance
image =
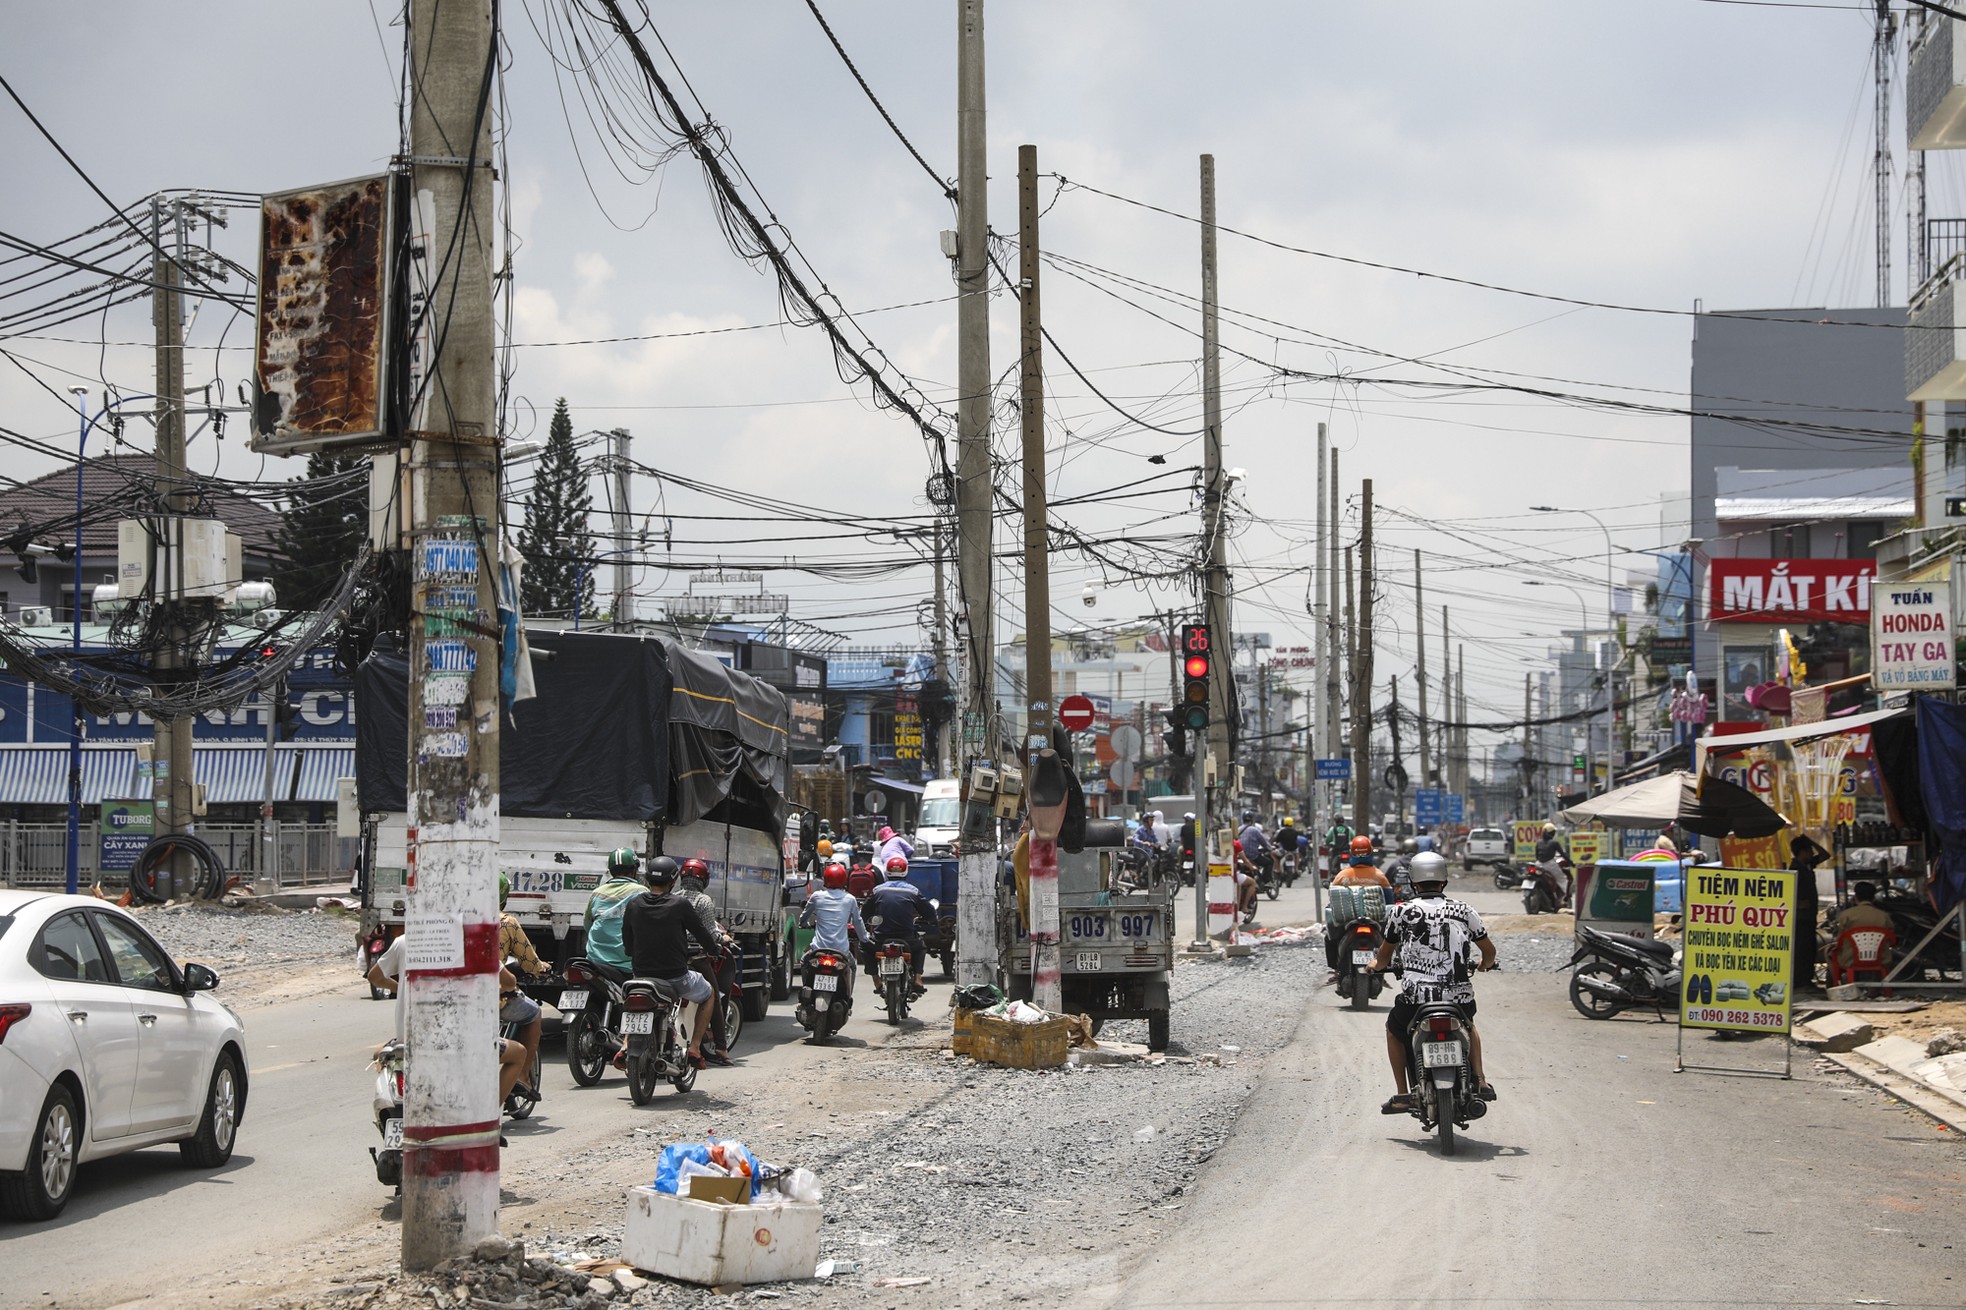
(624, 568)
(450, 1111)
(1045, 967)
(1528, 757)
(171, 778)
(1362, 672)
(976, 923)
(1215, 501)
(940, 645)
(1351, 674)
(1319, 706)
(1333, 693)
(1420, 674)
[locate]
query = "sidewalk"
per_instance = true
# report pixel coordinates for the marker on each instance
(1917, 1056)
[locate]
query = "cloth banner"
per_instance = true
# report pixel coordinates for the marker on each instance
(1941, 760)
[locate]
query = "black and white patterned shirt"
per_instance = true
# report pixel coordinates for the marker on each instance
(1434, 938)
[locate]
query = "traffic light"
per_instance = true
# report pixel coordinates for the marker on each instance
(1197, 660)
(284, 719)
(1176, 736)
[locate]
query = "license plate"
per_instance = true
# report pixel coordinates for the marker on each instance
(825, 982)
(572, 1001)
(1088, 961)
(638, 1021)
(392, 1134)
(1440, 1055)
(1364, 958)
(892, 964)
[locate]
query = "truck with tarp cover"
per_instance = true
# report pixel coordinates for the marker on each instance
(630, 740)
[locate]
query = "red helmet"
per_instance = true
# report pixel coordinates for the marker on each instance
(697, 869)
(1361, 845)
(834, 876)
(899, 864)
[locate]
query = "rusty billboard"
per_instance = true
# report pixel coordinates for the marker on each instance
(321, 357)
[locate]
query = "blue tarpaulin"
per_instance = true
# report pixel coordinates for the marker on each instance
(1941, 763)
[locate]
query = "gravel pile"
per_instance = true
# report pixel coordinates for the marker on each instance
(251, 938)
(1534, 952)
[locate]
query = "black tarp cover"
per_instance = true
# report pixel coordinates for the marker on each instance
(724, 726)
(623, 727)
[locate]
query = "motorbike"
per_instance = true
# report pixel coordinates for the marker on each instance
(1509, 875)
(1358, 945)
(658, 1044)
(525, 1094)
(727, 1018)
(387, 1109)
(890, 965)
(1542, 890)
(1269, 876)
(1440, 1070)
(1134, 868)
(373, 945)
(825, 993)
(592, 1006)
(1615, 973)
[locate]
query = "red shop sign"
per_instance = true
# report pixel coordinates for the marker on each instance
(1788, 590)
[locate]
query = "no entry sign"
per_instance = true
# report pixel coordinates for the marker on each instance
(1075, 712)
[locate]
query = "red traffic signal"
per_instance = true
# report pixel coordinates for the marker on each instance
(1197, 666)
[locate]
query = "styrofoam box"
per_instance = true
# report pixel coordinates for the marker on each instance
(715, 1244)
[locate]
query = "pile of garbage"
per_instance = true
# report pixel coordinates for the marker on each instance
(706, 1169)
(1277, 936)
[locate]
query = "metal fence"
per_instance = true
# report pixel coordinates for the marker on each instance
(309, 854)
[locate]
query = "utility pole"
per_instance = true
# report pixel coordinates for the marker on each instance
(976, 922)
(171, 777)
(624, 568)
(450, 1104)
(1362, 671)
(1319, 717)
(1333, 694)
(1420, 675)
(1215, 580)
(1045, 968)
(1885, 31)
(940, 645)
(1528, 758)
(1398, 769)
(1351, 685)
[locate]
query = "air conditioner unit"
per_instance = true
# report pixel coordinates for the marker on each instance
(36, 616)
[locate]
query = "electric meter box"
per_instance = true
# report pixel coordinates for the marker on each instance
(191, 558)
(132, 558)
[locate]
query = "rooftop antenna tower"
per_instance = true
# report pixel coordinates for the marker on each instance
(1886, 30)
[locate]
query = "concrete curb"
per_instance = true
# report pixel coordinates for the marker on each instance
(1916, 1095)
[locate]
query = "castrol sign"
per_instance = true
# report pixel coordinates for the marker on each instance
(1911, 637)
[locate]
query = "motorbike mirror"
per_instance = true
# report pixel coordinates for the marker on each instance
(808, 832)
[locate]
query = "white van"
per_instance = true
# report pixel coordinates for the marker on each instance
(942, 819)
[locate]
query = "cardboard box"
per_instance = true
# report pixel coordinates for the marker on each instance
(963, 1043)
(730, 1191)
(1019, 1045)
(714, 1244)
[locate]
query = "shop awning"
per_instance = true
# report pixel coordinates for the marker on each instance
(1799, 732)
(236, 775)
(38, 775)
(895, 784)
(319, 767)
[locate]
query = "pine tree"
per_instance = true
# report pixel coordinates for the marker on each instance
(322, 531)
(555, 539)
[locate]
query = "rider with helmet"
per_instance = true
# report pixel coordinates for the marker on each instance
(1256, 843)
(657, 928)
(605, 908)
(897, 911)
(834, 916)
(1359, 870)
(694, 886)
(1434, 937)
(1338, 843)
(1552, 859)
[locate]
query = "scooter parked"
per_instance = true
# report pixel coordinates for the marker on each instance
(1615, 973)
(387, 1107)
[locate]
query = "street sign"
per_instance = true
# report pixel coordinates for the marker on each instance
(1428, 808)
(1076, 712)
(1334, 770)
(1457, 808)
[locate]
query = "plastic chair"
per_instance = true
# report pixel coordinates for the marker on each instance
(1870, 953)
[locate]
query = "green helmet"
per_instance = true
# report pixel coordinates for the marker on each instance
(504, 888)
(623, 862)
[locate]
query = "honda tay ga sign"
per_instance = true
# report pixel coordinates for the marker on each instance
(1911, 638)
(1790, 590)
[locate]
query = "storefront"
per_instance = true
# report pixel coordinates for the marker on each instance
(1774, 618)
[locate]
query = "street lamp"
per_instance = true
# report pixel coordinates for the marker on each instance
(1611, 626)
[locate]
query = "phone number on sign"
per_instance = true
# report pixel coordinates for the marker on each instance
(1743, 1018)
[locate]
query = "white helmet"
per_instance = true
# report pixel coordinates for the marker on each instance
(1428, 867)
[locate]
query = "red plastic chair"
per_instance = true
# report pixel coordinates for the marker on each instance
(1870, 953)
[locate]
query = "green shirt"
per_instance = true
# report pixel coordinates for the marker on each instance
(604, 910)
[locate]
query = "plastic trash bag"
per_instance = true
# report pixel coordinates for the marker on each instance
(669, 1165)
(798, 1184)
(981, 996)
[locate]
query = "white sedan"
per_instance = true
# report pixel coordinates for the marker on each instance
(106, 1046)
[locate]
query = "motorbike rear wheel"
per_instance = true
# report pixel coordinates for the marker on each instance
(1444, 1129)
(1361, 988)
(1274, 890)
(1589, 1003)
(732, 1012)
(587, 1050)
(1503, 881)
(641, 1077)
(896, 988)
(685, 1076)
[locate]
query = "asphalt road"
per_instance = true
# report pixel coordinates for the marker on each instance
(302, 1176)
(1600, 1178)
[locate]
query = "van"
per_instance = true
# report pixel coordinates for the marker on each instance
(941, 820)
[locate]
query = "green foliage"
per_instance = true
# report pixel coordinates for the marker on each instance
(322, 531)
(555, 538)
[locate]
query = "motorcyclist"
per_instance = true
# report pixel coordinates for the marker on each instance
(657, 928)
(513, 1058)
(1361, 868)
(897, 911)
(1290, 842)
(834, 916)
(1256, 843)
(514, 946)
(1188, 842)
(1244, 877)
(693, 885)
(1433, 938)
(1552, 859)
(606, 906)
(1338, 841)
(1396, 868)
